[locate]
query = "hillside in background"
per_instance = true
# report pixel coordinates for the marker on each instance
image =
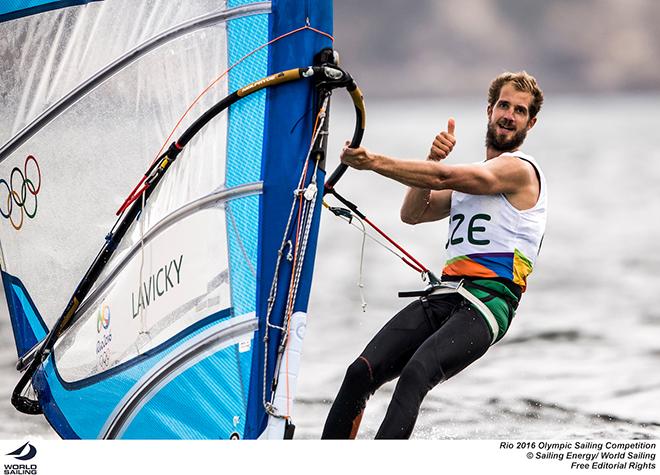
(436, 47)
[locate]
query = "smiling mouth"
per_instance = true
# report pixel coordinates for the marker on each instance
(506, 128)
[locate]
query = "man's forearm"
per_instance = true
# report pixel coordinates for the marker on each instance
(427, 175)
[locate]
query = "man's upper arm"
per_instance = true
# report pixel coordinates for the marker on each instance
(503, 174)
(440, 204)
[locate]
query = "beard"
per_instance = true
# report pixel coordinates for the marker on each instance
(501, 145)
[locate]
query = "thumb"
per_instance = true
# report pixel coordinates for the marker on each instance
(451, 125)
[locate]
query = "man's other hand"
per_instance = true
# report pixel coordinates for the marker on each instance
(444, 142)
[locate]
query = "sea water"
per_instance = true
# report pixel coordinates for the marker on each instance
(582, 357)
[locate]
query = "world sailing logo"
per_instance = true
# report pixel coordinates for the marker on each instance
(19, 455)
(25, 452)
(166, 278)
(22, 190)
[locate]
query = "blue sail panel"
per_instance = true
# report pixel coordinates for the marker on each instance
(83, 408)
(172, 393)
(12, 9)
(206, 407)
(29, 328)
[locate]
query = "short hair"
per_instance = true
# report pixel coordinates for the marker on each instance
(523, 82)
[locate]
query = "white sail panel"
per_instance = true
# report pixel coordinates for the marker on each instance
(171, 283)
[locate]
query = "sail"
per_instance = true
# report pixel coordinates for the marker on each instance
(169, 340)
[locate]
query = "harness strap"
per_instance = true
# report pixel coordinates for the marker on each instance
(453, 287)
(511, 301)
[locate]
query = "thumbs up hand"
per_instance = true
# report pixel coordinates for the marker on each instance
(444, 142)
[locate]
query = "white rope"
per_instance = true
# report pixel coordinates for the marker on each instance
(309, 193)
(369, 235)
(308, 212)
(360, 282)
(363, 229)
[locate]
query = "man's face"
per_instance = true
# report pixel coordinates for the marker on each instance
(508, 119)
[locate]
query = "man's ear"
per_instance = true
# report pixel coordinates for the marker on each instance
(489, 110)
(531, 123)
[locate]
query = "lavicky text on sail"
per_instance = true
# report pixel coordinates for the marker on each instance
(159, 283)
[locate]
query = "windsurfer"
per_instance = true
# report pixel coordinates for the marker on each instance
(497, 215)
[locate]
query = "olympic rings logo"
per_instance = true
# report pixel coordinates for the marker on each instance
(21, 193)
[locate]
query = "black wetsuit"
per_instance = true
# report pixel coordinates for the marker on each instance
(429, 341)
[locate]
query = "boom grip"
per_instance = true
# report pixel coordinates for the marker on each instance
(360, 122)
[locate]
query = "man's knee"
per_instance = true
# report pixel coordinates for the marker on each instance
(359, 373)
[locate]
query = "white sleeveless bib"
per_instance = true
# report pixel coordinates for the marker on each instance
(489, 237)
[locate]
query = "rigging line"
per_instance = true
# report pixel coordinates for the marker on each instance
(318, 126)
(351, 206)
(310, 205)
(299, 253)
(300, 192)
(304, 204)
(364, 232)
(268, 405)
(421, 267)
(299, 257)
(287, 333)
(373, 238)
(360, 283)
(332, 82)
(301, 244)
(349, 220)
(137, 190)
(285, 241)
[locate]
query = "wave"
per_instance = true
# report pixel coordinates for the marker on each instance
(553, 336)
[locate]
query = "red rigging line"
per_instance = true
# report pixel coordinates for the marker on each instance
(141, 186)
(415, 264)
(290, 297)
(409, 259)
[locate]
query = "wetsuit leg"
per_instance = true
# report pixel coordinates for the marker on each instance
(383, 359)
(463, 339)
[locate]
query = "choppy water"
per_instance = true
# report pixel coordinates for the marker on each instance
(582, 357)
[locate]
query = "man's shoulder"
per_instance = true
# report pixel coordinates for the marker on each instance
(518, 154)
(524, 157)
(525, 161)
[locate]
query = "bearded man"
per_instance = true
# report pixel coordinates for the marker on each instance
(497, 216)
